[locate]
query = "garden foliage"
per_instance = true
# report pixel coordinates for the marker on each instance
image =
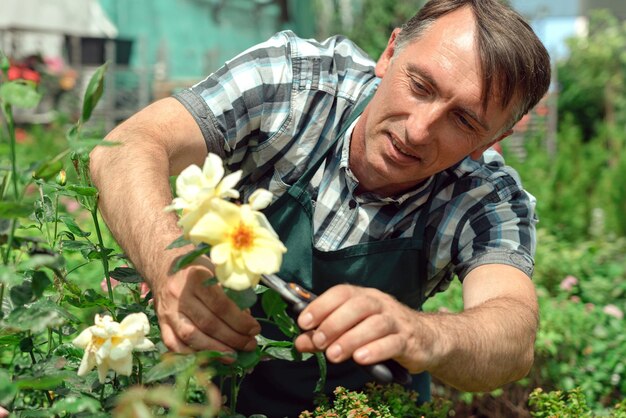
(56, 253)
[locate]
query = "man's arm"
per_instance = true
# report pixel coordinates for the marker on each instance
(487, 345)
(133, 181)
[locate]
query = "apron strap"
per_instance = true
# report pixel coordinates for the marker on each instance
(303, 181)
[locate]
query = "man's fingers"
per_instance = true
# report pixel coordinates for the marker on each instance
(220, 330)
(195, 316)
(325, 304)
(379, 350)
(372, 329)
(171, 341)
(344, 319)
(224, 308)
(304, 343)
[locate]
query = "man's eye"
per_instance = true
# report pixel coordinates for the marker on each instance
(465, 122)
(418, 87)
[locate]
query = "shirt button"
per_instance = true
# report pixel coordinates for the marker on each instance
(352, 203)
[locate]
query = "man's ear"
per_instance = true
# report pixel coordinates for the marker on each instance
(478, 152)
(385, 57)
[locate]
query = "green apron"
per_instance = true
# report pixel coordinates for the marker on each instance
(396, 266)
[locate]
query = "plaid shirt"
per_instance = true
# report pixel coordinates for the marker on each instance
(274, 109)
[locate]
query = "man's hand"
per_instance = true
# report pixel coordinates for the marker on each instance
(368, 325)
(487, 345)
(196, 316)
(152, 145)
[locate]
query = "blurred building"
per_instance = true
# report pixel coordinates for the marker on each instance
(178, 42)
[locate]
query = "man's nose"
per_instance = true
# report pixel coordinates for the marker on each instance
(422, 124)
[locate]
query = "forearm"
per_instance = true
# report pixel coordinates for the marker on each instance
(483, 347)
(133, 183)
(132, 205)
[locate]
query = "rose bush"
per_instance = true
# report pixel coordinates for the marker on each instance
(55, 251)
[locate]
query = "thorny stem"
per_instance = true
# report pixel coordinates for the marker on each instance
(56, 220)
(43, 205)
(11, 127)
(233, 392)
(103, 255)
(8, 111)
(50, 341)
(139, 371)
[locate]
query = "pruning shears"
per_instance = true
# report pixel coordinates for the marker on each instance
(298, 297)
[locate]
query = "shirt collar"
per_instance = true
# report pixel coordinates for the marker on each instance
(353, 182)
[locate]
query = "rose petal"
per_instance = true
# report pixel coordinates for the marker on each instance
(213, 169)
(260, 199)
(220, 253)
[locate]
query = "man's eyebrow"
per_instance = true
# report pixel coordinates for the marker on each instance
(427, 76)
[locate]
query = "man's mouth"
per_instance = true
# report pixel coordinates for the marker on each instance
(397, 145)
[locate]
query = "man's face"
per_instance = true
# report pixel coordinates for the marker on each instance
(427, 114)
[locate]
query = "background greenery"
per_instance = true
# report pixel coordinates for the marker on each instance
(581, 347)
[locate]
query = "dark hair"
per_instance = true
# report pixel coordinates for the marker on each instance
(511, 54)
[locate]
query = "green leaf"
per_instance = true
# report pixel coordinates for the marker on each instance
(243, 298)
(90, 299)
(83, 190)
(210, 355)
(66, 234)
(281, 353)
(9, 276)
(71, 224)
(20, 94)
(38, 261)
(171, 364)
(8, 389)
(189, 258)
(68, 351)
(40, 282)
(321, 382)
(48, 170)
(38, 317)
(74, 246)
(9, 340)
(9, 210)
(287, 325)
(35, 413)
(72, 135)
(49, 382)
(178, 242)
(126, 275)
(281, 350)
(275, 308)
(95, 254)
(94, 91)
(248, 359)
(21, 294)
(272, 303)
(5, 64)
(45, 210)
(75, 405)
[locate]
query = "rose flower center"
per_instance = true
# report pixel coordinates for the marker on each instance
(242, 237)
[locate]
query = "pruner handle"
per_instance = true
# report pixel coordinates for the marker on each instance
(389, 371)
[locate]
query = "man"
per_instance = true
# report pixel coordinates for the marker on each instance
(379, 203)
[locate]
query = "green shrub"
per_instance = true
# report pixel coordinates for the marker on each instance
(383, 401)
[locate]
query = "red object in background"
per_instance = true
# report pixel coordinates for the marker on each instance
(20, 135)
(20, 72)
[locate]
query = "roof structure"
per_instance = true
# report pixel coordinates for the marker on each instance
(67, 17)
